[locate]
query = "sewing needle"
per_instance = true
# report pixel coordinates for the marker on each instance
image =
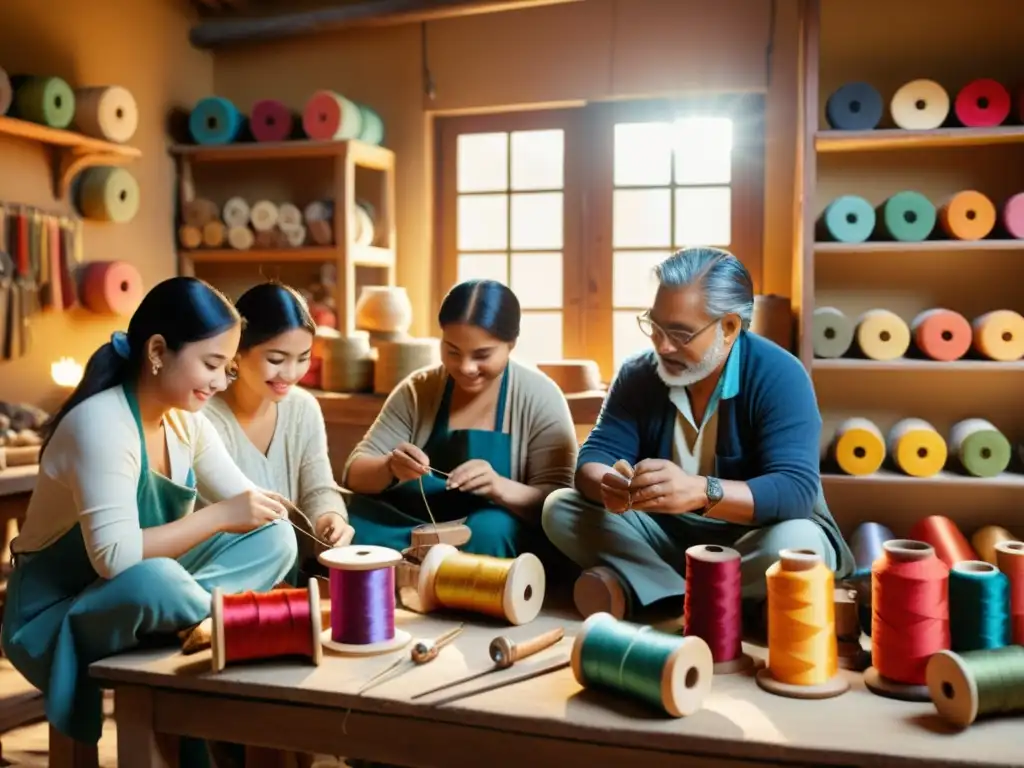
(504, 653)
(422, 652)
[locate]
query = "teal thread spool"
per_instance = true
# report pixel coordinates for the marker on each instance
(964, 687)
(979, 606)
(666, 671)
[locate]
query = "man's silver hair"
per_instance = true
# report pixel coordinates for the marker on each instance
(722, 278)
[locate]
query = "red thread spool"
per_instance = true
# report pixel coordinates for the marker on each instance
(983, 103)
(950, 545)
(909, 619)
(712, 607)
(258, 626)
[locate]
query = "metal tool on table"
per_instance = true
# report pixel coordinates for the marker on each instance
(504, 653)
(423, 651)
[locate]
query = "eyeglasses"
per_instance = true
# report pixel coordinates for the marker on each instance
(649, 328)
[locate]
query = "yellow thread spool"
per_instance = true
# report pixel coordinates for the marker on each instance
(511, 590)
(858, 447)
(985, 540)
(917, 448)
(803, 654)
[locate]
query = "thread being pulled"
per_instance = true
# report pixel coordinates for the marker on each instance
(910, 610)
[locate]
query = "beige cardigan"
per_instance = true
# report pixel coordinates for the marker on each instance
(537, 417)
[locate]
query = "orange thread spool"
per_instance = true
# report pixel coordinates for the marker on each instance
(951, 546)
(1010, 559)
(259, 626)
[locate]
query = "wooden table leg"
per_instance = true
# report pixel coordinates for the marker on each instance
(68, 753)
(138, 744)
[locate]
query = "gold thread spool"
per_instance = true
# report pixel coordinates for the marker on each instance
(985, 539)
(917, 448)
(882, 335)
(803, 654)
(999, 335)
(858, 447)
(511, 590)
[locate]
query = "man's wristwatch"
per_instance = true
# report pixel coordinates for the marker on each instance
(713, 490)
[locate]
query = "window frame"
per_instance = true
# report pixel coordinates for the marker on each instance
(589, 130)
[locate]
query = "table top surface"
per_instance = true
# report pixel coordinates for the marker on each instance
(738, 718)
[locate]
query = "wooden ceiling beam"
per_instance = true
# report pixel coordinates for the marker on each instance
(372, 13)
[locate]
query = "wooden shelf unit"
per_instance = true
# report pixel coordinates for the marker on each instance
(905, 387)
(346, 157)
(73, 152)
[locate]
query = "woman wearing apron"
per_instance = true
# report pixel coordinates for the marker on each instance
(111, 553)
(487, 437)
(274, 430)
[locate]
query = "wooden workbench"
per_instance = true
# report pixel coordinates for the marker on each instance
(545, 721)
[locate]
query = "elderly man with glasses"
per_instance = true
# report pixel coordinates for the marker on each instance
(711, 437)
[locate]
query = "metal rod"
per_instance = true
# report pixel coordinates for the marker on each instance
(503, 683)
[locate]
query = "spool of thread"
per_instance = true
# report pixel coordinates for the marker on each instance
(999, 335)
(329, 116)
(43, 100)
(982, 103)
(214, 233)
(215, 120)
(941, 334)
(847, 219)
(907, 217)
(920, 105)
(910, 618)
(272, 120)
(832, 332)
(803, 654)
(984, 542)
(197, 212)
(665, 671)
(347, 363)
(372, 130)
(967, 686)
(1010, 560)
(362, 582)
(108, 193)
(979, 448)
(236, 212)
(867, 545)
(1013, 216)
(854, 107)
(979, 596)
(882, 335)
(941, 533)
(190, 238)
(263, 216)
(241, 238)
(111, 288)
(6, 92)
(397, 359)
(258, 627)
(917, 448)
(106, 112)
(509, 590)
(858, 447)
(712, 607)
(289, 216)
(967, 215)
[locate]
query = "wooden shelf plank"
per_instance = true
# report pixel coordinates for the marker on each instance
(910, 364)
(372, 256)
(889, 139)
(928, 246)
(1003, 481)
(56, 137)
(368, 154)
(229, 255)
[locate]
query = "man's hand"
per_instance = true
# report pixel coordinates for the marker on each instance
(663, 487)
(615, 492)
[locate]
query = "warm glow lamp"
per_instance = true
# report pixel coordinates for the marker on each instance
(66, 372)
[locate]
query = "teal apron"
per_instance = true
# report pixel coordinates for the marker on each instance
(388, 518)
(60, 616)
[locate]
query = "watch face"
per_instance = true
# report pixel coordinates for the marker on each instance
(714, 489)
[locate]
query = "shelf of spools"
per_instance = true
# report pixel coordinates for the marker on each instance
(953, 149)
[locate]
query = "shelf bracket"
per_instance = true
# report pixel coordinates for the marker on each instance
(68, 162)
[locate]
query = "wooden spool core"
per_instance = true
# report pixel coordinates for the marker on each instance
(523, 596)
(217, 647)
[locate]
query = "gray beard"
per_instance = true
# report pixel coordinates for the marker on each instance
(712, 359)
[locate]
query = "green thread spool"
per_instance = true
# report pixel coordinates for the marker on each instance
(979, 606)
(666, 671)
(966, 686)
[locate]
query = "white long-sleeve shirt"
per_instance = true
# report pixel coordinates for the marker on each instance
(90, 470)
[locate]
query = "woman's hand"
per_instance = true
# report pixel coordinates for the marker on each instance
(407, 462)
(332, 529)
(478, 477)
(247, 511)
